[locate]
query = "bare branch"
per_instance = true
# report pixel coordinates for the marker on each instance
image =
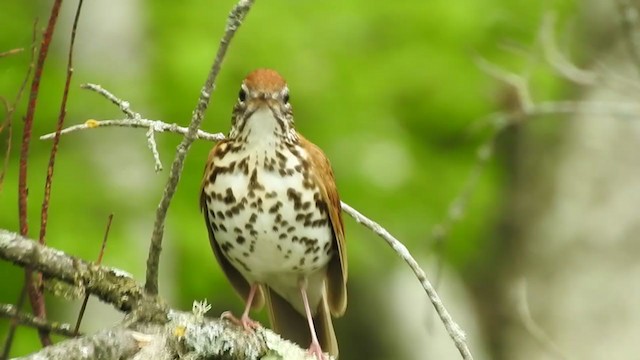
(557, 60)
(157, 125)
(11, 52)
(9, 311)
(151, 143)
(123, 105)
(455, 332)
(234, 21)
(532, 327)
(519, 83)
(631, 27)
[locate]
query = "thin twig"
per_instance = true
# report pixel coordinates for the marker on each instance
(123, 105)
(34, 290)
(11, 52)
(9, 311)
(234, 21)
(151, 143)
(13, 324)
(556, 59)
(455, 332)
(535, 330)
(630, 19)
(157, 125)
(44, 214)
(8, 123)
(99, 261)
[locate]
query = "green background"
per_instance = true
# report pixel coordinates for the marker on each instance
(389, 90)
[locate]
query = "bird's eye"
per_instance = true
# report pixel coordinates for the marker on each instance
(286, 98)
(242, 95)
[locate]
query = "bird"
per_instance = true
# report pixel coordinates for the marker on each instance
(274, 219)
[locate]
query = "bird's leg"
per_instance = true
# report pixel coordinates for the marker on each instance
(247, 323)
(314, 348)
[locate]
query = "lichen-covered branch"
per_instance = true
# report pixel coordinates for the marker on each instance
(117, 343)
(184, 335)
(10, 311)
(109, 285)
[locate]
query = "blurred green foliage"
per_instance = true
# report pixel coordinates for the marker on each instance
(388, 89)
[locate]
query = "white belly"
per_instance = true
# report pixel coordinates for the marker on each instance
(271, 233)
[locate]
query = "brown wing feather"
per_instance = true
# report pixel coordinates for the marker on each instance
(239, 283)
(337, 269)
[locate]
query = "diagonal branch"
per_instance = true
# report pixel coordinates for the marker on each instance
(455, 332)
(10, 311)
(112, 286)
(234, 21)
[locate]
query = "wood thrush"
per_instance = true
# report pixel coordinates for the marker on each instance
(273, 213)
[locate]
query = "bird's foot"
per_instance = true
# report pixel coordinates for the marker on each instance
(245, 321)
(316, 351)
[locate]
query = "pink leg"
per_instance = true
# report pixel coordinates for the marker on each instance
(247, 323)
(314, 348)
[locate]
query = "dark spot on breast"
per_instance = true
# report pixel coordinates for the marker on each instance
(296, 197)
(223, 228)
(271, 195)
(315, 259)
(220, 215)
(240, 240)
(274, 228)
(253, 218)
(244, 165)
(214, 227)
(226, 246)
(275, 207)
(237, 230)
(282, 236)
(212, 214)
(318, 223)
(229, 198)
(290, 229)
(253, 181)
(306, 205)
(221, 170)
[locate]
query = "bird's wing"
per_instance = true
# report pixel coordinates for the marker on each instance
(322, 174)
